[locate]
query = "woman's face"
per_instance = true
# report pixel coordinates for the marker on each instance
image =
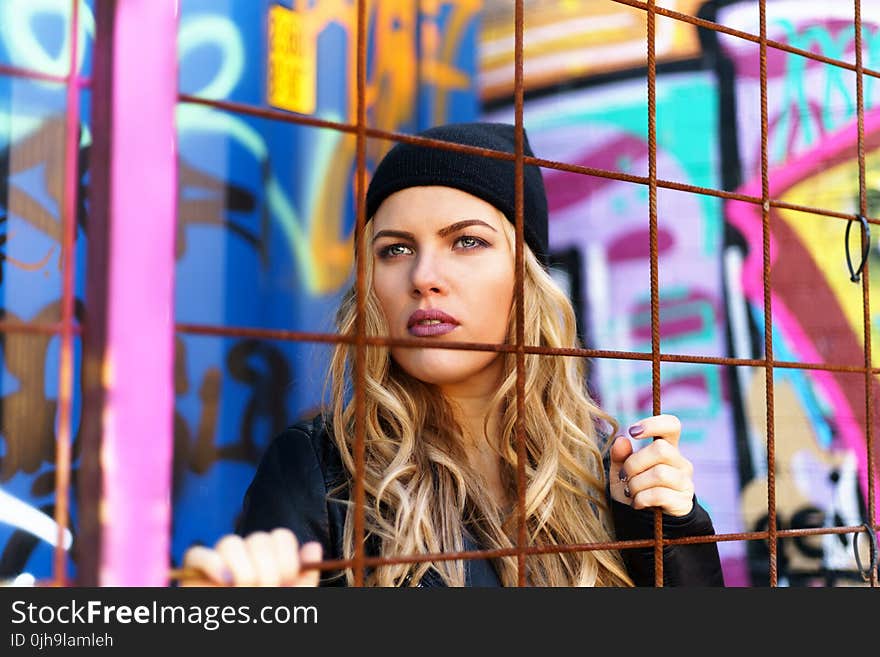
(443, 271)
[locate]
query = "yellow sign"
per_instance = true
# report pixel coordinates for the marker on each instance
(292, 76)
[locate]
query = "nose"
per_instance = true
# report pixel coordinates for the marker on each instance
(426, 275)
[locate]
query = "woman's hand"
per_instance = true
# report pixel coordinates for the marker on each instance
(656, 475)
(260, 559)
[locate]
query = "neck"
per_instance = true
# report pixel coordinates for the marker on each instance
(481, 438)
(471, 401)
(472, 412)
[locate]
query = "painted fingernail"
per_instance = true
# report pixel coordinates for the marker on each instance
(226, 574)
(636, 430)
(622, 475)
(626, 491)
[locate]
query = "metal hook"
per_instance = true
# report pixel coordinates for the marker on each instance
(866, 247)
(872, 539)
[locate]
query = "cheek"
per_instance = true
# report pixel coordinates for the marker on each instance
(385, 295)
(495, 305)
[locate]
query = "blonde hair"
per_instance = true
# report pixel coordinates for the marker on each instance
(421, 494)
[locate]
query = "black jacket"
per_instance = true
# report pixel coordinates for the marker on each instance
(302, 464)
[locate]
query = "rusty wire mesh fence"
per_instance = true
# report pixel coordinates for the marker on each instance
(63, 322)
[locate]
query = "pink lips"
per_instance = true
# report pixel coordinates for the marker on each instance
(430, 322)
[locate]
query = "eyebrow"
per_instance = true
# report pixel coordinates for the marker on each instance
(443, 232)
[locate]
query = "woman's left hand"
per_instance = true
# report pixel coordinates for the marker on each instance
(656, 475)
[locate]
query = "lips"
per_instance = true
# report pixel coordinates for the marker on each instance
(429, 322)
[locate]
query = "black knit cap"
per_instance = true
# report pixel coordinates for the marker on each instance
(408, 165)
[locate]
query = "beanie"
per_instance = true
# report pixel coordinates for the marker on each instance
(409, 165)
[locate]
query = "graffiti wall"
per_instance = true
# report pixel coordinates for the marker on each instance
(266, 217)
(817, 311)
(571, 39)
(34, 35)
(267, 214)
(710, 280)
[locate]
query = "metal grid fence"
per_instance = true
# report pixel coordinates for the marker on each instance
(68, 327)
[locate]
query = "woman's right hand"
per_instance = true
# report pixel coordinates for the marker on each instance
(259, 559)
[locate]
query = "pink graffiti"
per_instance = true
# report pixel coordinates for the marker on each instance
(747, 218)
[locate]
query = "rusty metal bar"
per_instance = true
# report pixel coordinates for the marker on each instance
(28, 74)
(63, 438)
(519, 270)
(768, 308)
(338, 564)
(866, 276)
(336, 338)
(89, 483)
(360, 320)
(651, 40)
(12, 326)
(297, 119)
(717, 27)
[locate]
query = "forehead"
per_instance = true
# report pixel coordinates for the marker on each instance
(433, 207)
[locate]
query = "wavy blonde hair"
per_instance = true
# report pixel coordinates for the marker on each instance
(421, 494)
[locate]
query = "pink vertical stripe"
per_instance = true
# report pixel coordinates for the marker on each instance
(138, 370)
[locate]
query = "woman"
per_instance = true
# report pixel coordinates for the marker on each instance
(440, 439)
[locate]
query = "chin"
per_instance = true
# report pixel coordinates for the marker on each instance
(443, 368)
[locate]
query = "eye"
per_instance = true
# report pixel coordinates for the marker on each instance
(394, 250)
(469, 242)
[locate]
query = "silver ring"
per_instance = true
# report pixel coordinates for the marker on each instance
(626, 490)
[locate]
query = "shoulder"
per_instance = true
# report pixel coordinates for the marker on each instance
(290, 486)
(301, 449)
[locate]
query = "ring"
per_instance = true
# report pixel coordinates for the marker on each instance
(872, 550)
(626, 490)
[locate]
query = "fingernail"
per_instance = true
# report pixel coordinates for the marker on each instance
(226, 574)
(636, 430)
(626, 491)
(622, 475)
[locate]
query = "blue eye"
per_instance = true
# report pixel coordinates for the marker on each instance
(469, 242)
(394, 250)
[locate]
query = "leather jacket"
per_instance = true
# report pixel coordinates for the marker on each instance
(301, 464)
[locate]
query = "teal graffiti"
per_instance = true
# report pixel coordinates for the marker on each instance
(223, 34)
(26, 51)
(710, 408)
(833, 114)
(671, 309)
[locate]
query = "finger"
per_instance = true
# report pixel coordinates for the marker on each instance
(657, 452)
(209, 563)
(310, 553)
(665, 426)
(234, 553)
(286, 548)
(621, 450)
(671, 502)
(262, 555)
(662, 475)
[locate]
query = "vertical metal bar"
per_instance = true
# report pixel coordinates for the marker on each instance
(94, 331)
(519, 265)
(768, 320)
(68, 264)
(360, 320)
(138, 363)
(651, 18)
(866, 276)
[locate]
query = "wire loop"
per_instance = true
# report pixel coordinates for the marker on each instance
(855, 276)
(872, 540)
